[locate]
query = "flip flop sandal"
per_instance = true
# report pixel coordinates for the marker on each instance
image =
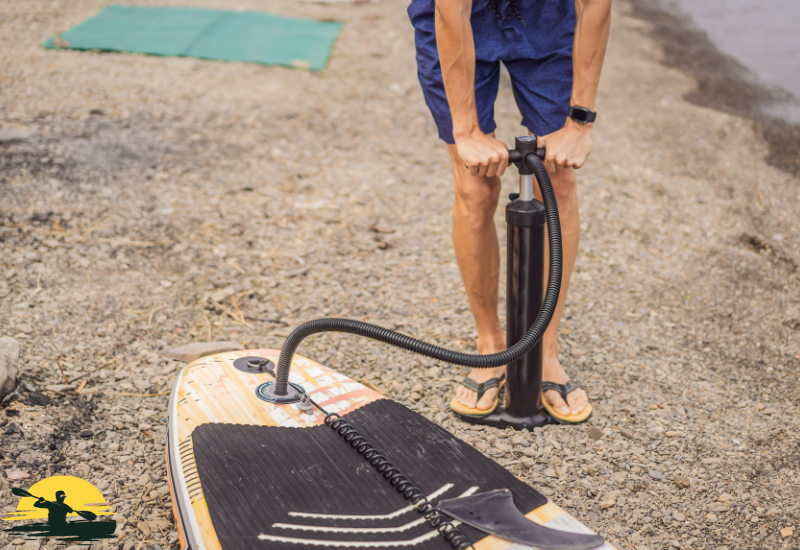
(564, 390)
(480, 389)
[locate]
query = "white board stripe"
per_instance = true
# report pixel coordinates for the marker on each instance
(351, 544)
(333, 529)
(439, 492)
(328, 529)
(357, 543)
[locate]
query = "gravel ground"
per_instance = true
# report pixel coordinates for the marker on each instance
(151, 202)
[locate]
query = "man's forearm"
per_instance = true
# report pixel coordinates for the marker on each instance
(456, 47)
(593, 19)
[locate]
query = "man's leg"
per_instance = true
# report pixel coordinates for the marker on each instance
(478, 256)
(566, 190)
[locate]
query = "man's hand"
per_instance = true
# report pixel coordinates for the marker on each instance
(483, 154)
(568, 147)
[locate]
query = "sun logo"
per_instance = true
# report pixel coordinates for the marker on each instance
(69, 506)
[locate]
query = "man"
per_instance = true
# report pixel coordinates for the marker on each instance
(56, 511)
(554, 52)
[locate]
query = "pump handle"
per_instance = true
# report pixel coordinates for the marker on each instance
(516, 156)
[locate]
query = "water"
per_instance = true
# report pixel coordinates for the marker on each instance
(763, 35)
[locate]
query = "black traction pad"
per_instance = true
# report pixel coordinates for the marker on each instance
(254, 476)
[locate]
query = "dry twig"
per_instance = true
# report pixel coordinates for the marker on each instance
(104, 365)
(230, 314)
(64, 376)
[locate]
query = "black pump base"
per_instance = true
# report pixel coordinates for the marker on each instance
(501, 418)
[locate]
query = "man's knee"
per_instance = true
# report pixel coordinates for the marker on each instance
(476, 200)
(565, 185)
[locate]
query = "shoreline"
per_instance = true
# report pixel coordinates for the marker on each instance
(723, 83)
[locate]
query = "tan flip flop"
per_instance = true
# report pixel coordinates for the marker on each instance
(564, 390)
(480, 389)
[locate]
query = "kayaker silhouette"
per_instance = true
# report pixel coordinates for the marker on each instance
(56, 511)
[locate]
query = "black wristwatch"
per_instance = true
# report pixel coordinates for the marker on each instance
(581, 115)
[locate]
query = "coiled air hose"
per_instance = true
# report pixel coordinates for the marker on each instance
(513, 353)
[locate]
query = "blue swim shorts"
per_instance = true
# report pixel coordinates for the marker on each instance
(536, 47)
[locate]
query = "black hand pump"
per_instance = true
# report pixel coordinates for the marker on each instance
(527, 313)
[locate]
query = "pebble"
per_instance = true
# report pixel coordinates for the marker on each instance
(682, 482)
(625, 432)
(595, 433)
(9, 363)
(60, 388)
(143, 480)
(787, 532)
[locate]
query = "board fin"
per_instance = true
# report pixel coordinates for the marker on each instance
(494, 513)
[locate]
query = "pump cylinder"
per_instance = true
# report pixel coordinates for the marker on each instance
(525, 288)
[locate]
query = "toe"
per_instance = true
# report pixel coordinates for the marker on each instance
(558, 404)
(578, 401)
(466, 397)
(487, 400)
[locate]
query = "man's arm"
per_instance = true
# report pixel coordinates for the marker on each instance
(484, 155)
(571, 145)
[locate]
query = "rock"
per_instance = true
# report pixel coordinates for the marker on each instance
(143, 480)
(16, 475)
(113, 446)
(719, 507)
(595, 433)
(610, 495)
(682, 482)
(86, 434)
(725, 498)
(773, 512)
(625, 432)
(38, 398)
(618, 476)
(60, 388)
(83, 470)
(607, 503)
(16, 134)
(196, 350)
(655, 474)
(11, 429)
(678, 516)
(711, 461)
(549, 472)
(787, 532)
(9, 361)
(712, 517)
(674, 543)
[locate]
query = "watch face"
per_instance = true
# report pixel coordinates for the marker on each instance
(579, 114)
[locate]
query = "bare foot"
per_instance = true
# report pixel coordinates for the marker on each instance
(469, 398)
(552, 371)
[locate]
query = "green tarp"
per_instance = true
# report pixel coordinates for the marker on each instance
(256, 37)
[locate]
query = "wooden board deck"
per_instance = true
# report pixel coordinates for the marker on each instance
(212, 390)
